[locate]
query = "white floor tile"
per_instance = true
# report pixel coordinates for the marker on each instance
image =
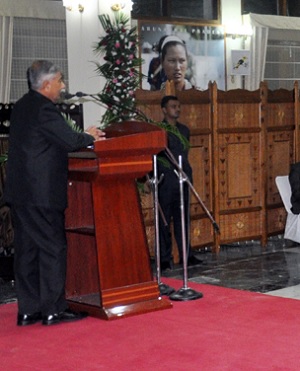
(292, 292)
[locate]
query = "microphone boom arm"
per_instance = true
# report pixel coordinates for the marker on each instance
(187, 180)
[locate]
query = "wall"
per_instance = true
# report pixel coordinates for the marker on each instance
(32, 8)
(233, 23)
(83, 31)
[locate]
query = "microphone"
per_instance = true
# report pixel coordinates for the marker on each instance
(79, 94)
(67, 96)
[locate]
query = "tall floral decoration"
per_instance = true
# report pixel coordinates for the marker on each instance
(121, 71)
(121, 68)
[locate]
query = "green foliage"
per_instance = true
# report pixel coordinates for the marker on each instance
(71, 122)
(3, 158)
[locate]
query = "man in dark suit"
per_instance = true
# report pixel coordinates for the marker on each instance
(36, 190)
(168, 190)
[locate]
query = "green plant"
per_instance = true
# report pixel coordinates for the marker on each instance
(3, 158)
(71, 122)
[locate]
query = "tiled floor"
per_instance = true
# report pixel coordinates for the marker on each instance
(274, 270)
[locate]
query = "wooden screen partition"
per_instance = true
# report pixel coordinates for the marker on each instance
(196, 107)
(238, 157)
(240, 141)
(109, 273)
(282, 145)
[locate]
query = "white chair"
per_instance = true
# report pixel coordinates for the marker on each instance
(292, 226)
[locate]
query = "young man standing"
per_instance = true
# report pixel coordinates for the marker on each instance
(168, 190)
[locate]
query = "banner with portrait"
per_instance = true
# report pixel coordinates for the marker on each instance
(205, 47)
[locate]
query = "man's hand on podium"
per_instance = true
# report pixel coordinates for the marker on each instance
(96, 133)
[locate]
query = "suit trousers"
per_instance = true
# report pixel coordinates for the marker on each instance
(169, 200)
(40, 259)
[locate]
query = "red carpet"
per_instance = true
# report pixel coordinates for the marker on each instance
(225, 330)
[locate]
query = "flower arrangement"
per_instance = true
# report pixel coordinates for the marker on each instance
(121, 68)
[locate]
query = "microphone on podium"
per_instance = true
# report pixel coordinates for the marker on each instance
(79, 94)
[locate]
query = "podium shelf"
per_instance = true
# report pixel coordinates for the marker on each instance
(88, 230)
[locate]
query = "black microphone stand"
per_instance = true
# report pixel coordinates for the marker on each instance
(185, 293)
(163, 288)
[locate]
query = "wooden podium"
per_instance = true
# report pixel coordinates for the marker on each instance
(109, 273)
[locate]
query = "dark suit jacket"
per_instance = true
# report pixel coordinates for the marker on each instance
(294, 178)
(39, 142)
(177, 148)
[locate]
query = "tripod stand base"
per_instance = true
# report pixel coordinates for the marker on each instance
(165, 289)
(185, 294)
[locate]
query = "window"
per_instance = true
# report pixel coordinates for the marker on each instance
(260, 7)
(293, 8)
(36, 39)
(200, 10)
(283, 59)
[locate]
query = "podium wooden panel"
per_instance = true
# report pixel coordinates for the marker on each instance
(109, 273)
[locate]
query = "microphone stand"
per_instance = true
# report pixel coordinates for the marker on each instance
(185, 293)
(186, 178)
(163, 288)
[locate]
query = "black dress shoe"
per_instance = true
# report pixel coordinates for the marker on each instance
(66, 316)
(192, 260)
(28, 319)
(165, 266)
(51, 319)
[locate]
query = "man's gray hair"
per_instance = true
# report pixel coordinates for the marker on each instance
(40, 71)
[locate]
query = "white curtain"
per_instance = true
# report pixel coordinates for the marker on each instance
(258, 49)
(6, 37)
(260, 24)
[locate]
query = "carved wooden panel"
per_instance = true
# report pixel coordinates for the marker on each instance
(201, 232)
(238, 115)
(280, 154)
(239, 171)
(241, 226)
(280, 114)
(276, 220)
(196, 109)
(148, 102)
(280, 121)
(200, 161)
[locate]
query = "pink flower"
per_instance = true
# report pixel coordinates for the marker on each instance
(117, 44)
(131, 56)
